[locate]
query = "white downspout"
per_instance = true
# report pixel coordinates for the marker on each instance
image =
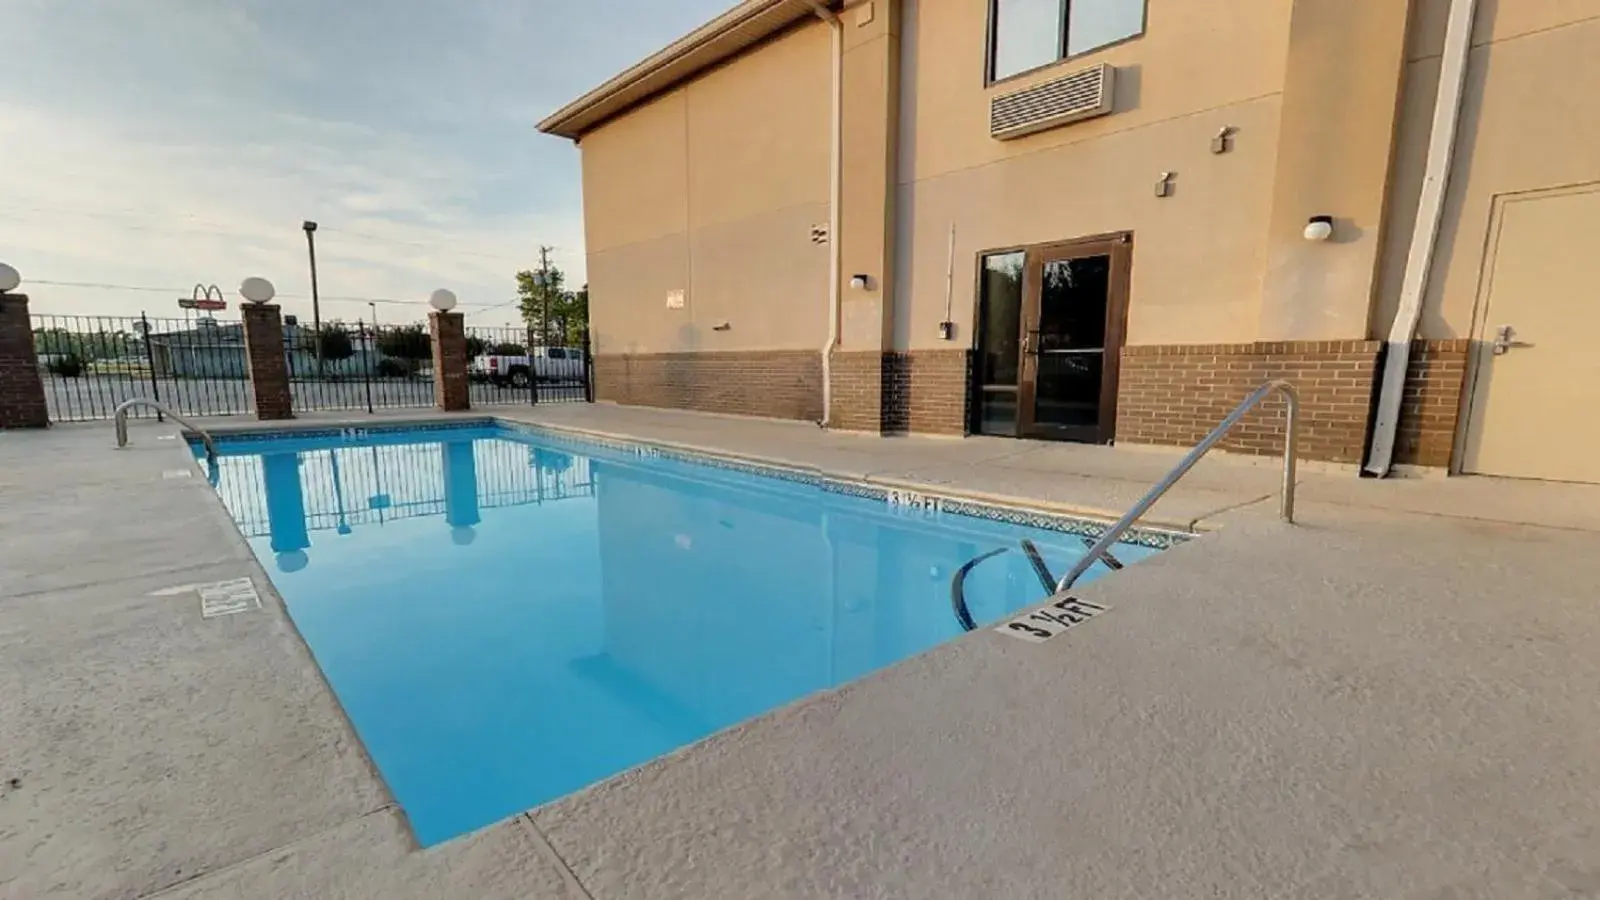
(1430, 210)
(836, 194)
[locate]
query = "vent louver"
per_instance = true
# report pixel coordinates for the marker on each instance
(1081, 95)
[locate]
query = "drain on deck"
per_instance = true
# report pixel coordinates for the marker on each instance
(227, 598)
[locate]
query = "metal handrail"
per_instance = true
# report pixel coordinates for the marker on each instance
(122, 423)
(1286, 505)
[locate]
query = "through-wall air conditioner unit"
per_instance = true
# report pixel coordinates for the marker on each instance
(1070, 98)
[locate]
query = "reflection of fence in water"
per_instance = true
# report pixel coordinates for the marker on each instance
(349, 487)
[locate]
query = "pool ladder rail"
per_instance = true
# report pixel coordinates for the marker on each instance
(1101, 548)
(122, 424)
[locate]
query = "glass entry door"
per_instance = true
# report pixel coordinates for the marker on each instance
(1072, 300)
(1050, 334)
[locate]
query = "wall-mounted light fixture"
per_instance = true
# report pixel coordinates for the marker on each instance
(860, 282)
(1164, 185)
(1223, 142)
(1319, 228)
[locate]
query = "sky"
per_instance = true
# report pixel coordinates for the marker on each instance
(163, 143)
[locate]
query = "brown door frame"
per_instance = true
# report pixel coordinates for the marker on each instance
(1119, 247)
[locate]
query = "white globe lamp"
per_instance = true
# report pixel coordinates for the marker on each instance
(257, 290)
(9, 278)
(442, 300)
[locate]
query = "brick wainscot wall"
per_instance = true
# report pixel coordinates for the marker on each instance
(1177, 394)
(901, 392)
(1431, 411)
(778, 384)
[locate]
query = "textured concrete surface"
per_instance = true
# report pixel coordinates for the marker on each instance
(1250, 719)
(1399, 697)
(371, 857)
(1097, 480)
(143, 747)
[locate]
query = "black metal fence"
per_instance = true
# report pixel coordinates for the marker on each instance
(359, 367)
(512, 365)
(197, 366)
(90, 364)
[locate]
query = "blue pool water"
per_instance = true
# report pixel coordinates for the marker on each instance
(507, 619)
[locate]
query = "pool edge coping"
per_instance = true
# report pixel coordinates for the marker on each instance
(1150, 531)
(1095, 515)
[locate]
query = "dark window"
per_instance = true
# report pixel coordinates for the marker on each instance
(557, 353)
(1027, 34)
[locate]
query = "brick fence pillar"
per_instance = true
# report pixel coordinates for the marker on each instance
(269, 367)
(21, 388)
(449, 332)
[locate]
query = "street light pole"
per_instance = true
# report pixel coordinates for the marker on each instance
(316, 301)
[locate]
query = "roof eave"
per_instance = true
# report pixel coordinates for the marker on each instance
(729, 34)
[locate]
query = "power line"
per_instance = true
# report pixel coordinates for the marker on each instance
(489, 309)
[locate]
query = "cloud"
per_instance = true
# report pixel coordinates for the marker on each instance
(165, 142)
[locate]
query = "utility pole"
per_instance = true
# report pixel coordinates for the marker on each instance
(544, 296)
(316, 302)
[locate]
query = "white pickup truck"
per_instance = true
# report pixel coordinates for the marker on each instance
(547, 364)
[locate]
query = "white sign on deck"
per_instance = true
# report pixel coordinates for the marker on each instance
(227, 598)
(1046, 622)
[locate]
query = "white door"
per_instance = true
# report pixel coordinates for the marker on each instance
(1535, 410)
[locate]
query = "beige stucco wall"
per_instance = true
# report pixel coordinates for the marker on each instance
(713, 189)
(1198, 255)
(1530, 120)
(1341, 97)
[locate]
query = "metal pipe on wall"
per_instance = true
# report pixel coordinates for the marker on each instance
(1430, 211)
(836, 194)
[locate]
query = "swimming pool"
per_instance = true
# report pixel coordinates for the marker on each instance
(507, 615)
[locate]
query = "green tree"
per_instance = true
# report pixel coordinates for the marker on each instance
(68, 366)
(476, 346)
(410, 343)
(335, 343)
(554, 315)
(87, 345)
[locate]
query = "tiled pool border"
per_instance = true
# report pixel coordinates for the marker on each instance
(919, 497)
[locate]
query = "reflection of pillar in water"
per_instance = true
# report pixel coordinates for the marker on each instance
(461, 491)
(286, 510)
(338, 492)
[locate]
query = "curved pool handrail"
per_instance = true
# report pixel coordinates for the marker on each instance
(122, 423)
(1286, 504)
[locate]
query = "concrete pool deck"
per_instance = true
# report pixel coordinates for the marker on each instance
(1398, 697)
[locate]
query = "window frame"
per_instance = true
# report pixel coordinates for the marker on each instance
(992, 35)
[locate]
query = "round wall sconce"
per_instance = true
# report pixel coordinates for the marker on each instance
(257, 290)
(860, 282)
(1319, 228)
